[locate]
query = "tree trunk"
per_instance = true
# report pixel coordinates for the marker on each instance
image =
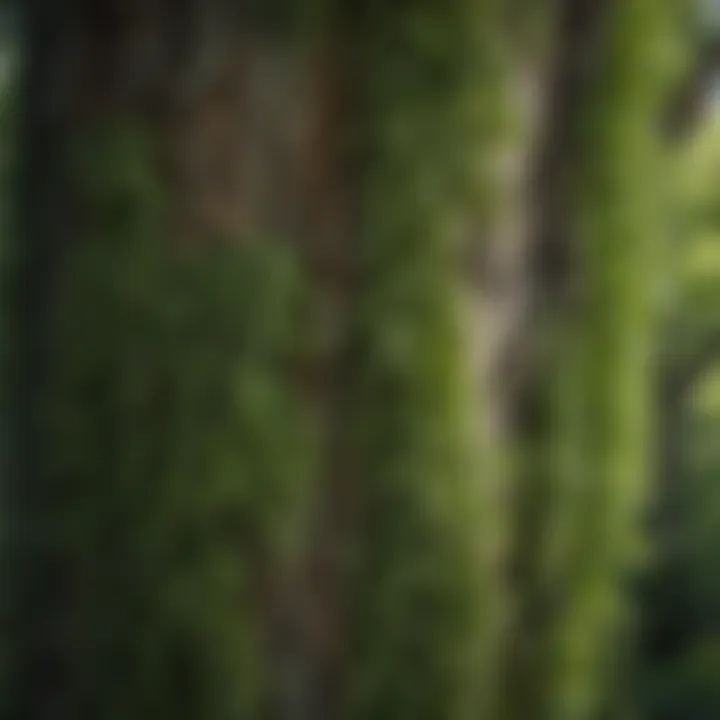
(163, 399)
(245, 475)
(582, 414)
(305, 336)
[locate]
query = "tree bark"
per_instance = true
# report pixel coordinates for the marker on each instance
(262, 394)
(206, 187)
(244, 126)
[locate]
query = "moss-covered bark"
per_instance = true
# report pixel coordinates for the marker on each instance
(159, 501)
(422, 591)
(256, 400)
(195, 227)
(586, 445)
(164, 446)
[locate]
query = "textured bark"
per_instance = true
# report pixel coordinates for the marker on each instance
(507, 339)
(553, 281)
(569, 408)
(252, 123)
(248, 121)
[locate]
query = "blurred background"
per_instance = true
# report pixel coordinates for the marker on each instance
(360, 360)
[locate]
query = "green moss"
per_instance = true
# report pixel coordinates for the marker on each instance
(429, 116)
(618, 229)
(169, 399)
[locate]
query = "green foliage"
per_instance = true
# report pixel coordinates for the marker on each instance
(678, 668)
(695, 310)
